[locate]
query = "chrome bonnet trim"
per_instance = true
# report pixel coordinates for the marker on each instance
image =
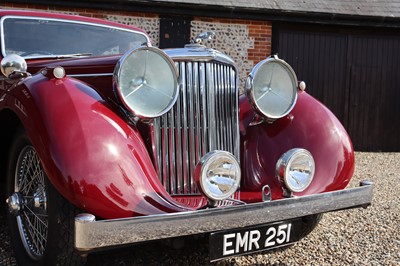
(93, 235)
(199, 53)
(91, 75)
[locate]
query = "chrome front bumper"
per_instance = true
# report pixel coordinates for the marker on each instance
(91, 235)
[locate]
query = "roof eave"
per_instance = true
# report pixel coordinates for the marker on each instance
(185, 9)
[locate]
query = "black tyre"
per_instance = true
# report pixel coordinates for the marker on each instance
(40, 220)
(309, 224)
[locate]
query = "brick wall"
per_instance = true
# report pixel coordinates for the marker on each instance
(259, 31)
(246, 41)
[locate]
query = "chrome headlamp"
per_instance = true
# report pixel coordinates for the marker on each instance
(296, 169)
(218, 175)
(272, 88)
(146, 81)
(12, 63)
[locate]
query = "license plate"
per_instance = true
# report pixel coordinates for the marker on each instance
(253, 239)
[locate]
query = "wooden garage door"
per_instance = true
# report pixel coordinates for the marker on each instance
(356, 73)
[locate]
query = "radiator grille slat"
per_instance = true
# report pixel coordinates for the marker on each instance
(205, 118)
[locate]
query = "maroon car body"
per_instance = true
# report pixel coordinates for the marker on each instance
(103, 163)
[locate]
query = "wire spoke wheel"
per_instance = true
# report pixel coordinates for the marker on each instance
(30, 188)
(40, 220)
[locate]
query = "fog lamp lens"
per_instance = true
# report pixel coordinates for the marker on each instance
(218, 175)
(296, 169)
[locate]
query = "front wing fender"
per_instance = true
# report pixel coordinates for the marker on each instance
(90, 154)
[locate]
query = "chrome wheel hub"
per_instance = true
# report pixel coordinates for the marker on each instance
(14, 203)
(28, 203)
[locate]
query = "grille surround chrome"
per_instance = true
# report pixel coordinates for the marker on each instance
(204, 118)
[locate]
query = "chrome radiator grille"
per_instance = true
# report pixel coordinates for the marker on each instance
(204, 118)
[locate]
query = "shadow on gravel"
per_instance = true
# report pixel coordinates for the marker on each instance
(6, 252)
(193, 251)
(190, 251)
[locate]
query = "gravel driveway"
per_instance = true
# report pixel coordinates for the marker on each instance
(351, 237)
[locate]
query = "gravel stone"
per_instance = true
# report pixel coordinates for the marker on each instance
(351, 237)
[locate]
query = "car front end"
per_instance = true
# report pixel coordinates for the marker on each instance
(153, 144)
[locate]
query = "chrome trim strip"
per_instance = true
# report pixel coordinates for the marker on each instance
(165, 149)
(191, 138)
(181, 107)
(195, 126)
(203, 95)
(172, 149)
(235, 79)
(91, 236)
(158, 138)
(90, 75)
(212, 139)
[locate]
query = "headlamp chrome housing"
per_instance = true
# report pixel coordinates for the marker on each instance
(295, 169)
(272, 88)
(146, 82)
(13, 63)
(218, 175)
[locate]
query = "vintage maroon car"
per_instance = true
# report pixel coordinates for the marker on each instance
(107, 141)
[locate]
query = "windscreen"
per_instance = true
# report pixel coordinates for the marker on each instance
(47, 38)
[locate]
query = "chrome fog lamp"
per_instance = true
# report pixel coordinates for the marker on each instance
(146, 81)
(218, 175)
(296, 169)
(272, 88)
